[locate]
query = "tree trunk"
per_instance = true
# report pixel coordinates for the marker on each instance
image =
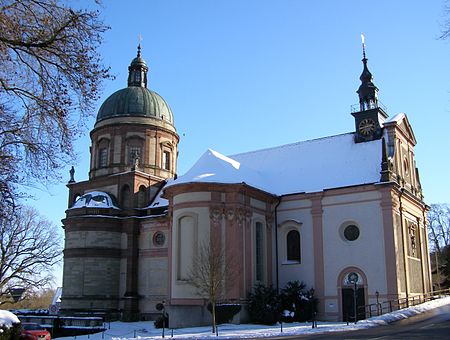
(213, 303)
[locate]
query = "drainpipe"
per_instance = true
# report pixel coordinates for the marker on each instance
(276, 243)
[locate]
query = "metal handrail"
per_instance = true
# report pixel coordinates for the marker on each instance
(376, 309)
(357, 107)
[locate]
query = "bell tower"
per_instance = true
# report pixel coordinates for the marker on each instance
(369, 118)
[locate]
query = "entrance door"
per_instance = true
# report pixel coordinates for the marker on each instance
(348, 309)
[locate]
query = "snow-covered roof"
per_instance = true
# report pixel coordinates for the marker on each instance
(94, 199)
(57, 296)
(308, 166)
(213, 167)
(8, 319)
(158, 201)
(398, 117)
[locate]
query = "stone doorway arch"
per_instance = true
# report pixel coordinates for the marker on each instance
(347, 294)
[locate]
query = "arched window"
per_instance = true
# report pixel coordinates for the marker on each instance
(259, 252)
(142, 202)
(187, 245)
(134, 155)
(102, 157)
(125, 198)
(134, 151)
(293, 246)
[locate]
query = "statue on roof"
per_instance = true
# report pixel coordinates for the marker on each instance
(72, 174)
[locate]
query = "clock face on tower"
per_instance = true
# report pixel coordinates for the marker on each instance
(367, 127)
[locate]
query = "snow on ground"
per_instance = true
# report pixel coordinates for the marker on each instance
(144, 330)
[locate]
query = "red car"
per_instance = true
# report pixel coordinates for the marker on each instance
(34, 331)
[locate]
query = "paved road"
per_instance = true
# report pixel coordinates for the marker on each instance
(434, 324)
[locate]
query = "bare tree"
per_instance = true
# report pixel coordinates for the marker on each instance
(439, 226)
(31, 299)
(30, 246)
(445, 32)
(50, 77)
(211, 270)
(439, 242)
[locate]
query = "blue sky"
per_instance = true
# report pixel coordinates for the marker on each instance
(245, 75)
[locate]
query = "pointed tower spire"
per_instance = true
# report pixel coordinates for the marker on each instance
(137, 71)
(370, 117)
(367, 91)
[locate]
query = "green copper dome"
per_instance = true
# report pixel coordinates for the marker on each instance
(136, 100)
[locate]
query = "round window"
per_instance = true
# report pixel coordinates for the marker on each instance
(159, 238)
(351, 232)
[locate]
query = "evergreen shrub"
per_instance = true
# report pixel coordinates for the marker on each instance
(225, 312)
(264, 305)
(11, 333)
(298, 303)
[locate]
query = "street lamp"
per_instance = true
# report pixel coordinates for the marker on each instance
(377, 294)
(313, 311)
(353, 279)
(162, 308)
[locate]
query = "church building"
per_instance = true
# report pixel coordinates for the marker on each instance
(334, 212)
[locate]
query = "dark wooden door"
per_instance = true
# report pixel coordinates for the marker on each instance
(348, 309)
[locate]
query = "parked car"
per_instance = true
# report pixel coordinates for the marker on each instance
(34, 331)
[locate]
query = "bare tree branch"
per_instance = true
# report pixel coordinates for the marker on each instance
(50, 79)
(29, 248)
(439, 226)
(445, 32)
(210, 272)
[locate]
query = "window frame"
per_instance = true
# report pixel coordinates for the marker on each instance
(134, 146)
(166, 160)
(134, 151)
(259, 252)
(346, 225)
(103, 157)
(298, 251)
(102, 153)
(285, 227)
(167, 152)
(180, 273)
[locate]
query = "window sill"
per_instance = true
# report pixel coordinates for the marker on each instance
(182, 282)
(290, 262)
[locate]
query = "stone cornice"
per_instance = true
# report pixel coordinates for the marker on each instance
(219, 187)
(116, 253)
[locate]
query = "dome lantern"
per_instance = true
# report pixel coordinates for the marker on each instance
(137, 71)
(136, 100)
